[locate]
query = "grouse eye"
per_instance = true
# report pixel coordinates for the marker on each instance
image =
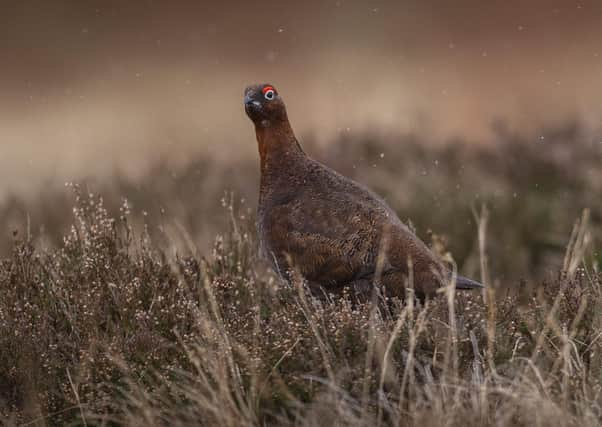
(269, 93)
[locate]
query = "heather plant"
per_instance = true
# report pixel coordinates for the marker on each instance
(158, 310)
(113, 327)
(535, 185)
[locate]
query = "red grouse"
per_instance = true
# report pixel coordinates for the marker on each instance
(333, 231)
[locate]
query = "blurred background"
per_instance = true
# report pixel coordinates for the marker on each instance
(438, 105)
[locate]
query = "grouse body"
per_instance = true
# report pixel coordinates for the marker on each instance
(333, 231)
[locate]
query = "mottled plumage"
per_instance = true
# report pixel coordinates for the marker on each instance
(332, 230)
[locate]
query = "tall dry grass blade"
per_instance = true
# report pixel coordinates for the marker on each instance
(307, 313)
(408, 370)
(75, 390)
(230, 380)
(482, 220)
(385, 361)
(451, 348)
(371, 341)
(578, 244)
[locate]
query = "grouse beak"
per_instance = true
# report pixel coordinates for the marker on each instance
(249, 102)
(252, 107)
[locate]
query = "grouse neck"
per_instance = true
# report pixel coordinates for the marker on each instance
(277, 145)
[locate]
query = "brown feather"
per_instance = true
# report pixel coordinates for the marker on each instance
(330, 229)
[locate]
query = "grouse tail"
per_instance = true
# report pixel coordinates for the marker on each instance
(466, 283)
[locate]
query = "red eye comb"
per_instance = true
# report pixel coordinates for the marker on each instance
(265, 89)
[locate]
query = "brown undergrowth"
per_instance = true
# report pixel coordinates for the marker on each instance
(110, 328)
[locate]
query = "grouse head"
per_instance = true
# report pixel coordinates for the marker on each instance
(264, 106)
